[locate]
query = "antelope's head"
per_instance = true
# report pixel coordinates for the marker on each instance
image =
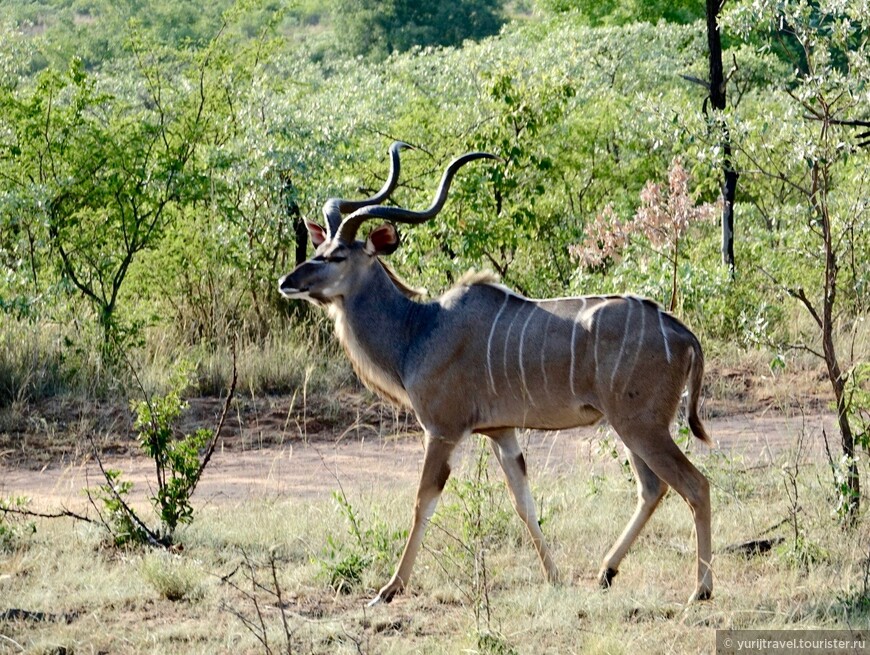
(342, 263)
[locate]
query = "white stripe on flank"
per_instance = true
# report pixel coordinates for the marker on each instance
(522, 367)
(573, 336)
(489, 345)
(626, 327)
(595, 339)
(507, 338)
(639, 345)
(664, 336)
(543, 351)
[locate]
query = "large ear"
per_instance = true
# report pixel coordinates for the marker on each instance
(383, 240)
(317, 233)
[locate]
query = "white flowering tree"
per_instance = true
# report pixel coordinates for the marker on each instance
(808, 143)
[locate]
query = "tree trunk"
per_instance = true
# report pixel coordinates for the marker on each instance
(850, 491)
(291, 211)
(729, 191)
(718, 101)
(300, 236)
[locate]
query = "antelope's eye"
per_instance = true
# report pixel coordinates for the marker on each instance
(328, 259)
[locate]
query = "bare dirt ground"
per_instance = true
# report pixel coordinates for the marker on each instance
(271, 449)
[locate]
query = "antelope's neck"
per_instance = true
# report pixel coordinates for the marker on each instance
(376, 327)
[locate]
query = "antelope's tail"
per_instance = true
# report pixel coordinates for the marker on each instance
(696, 378)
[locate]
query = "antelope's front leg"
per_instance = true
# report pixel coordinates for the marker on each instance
(436, 470)
(510, 457)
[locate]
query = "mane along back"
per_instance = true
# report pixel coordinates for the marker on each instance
(471, 278)
(412, 293)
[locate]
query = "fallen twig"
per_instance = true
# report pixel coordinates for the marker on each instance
(65, 513)
(17, 614)
(754, 546)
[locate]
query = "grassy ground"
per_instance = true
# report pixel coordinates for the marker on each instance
(477, 586)
(261, 576)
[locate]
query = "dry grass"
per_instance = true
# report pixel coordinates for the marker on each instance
(102, 600)
(94, 599)
(40, 361)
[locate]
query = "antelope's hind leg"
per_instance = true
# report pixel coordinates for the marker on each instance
(667, 461)
(650, 490)
(509, 455)
(436, 471)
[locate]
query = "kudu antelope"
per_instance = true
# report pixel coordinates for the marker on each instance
(484, 359)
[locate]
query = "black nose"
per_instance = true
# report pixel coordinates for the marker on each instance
(285, 284)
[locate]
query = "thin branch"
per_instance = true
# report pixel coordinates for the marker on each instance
(150, 536)
(803, 347)
(778, 175)
(733, 70)
(802, 296)
(287, 632)
(65, 513)
(211, 446)
(780, 524)
(816, 116)
(159, 466)
(93, 503)
(254, 585)
(696, 80)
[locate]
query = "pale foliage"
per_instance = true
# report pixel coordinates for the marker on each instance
(662, 218)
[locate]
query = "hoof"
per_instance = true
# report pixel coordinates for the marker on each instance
(553, 576)
(701, 594)
(387, 592)
(605, 578)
